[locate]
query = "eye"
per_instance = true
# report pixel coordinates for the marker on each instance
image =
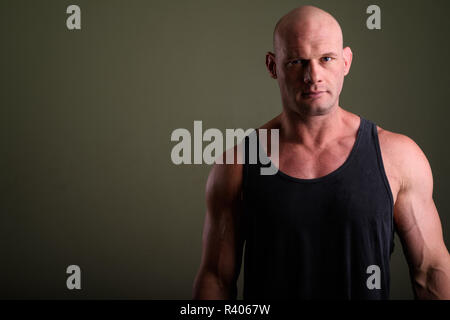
(298, 61)
(327, 59)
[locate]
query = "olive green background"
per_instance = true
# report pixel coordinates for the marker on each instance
(86, 119)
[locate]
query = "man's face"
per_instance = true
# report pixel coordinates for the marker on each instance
(310, 69)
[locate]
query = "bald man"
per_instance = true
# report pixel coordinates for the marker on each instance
(323, 226)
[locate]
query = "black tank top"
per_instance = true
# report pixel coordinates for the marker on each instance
(321, 238)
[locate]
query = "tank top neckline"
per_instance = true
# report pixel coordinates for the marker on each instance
(334, 172)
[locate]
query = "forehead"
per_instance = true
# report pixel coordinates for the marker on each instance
(309, 40)
(308, 48)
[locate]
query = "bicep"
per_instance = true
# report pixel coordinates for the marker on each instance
(222, 232)
(416, 217)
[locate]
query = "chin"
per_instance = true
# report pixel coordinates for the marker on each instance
(313, 108)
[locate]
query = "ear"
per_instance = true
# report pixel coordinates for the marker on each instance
(271, 65)
(348, 56)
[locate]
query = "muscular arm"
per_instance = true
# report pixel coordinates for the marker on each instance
(418, 224)
(222, 235)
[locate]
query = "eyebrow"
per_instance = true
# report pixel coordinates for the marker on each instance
(326, 54)
(333, 54)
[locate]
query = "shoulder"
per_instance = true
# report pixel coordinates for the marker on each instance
(224, 184)
(224, 181)
(272, 124)
(405, 156)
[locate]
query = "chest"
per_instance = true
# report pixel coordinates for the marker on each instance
(301, 163)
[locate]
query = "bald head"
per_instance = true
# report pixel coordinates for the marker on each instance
(306, 22)
(309, 61)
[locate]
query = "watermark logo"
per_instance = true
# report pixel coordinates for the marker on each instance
(74, 280)
(73, 21)
(374, 280)
(374, 20)
(213, 152)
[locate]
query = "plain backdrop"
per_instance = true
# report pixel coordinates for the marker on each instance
(87, 115)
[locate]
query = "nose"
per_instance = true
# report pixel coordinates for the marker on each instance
(312, 73)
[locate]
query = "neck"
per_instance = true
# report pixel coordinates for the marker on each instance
(314, 131)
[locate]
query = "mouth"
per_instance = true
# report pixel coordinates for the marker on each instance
(312, 94)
